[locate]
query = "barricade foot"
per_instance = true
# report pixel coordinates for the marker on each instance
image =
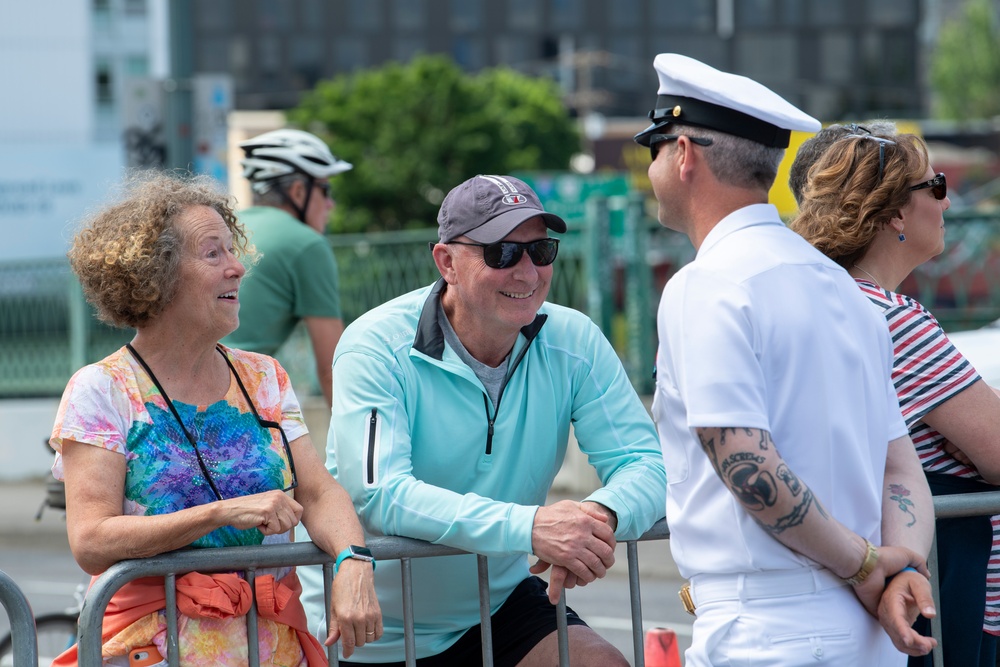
(660, 648)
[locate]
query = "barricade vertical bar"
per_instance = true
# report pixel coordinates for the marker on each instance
(937, 654)
(173, 645)
(562, 631)
(485, 619)
(22, 623)
(409, 641)
(253, 645)
(331, 651)
(632, 552)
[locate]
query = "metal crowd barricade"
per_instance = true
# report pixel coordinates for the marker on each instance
(250, 559)
(949, 507)
(22, 622)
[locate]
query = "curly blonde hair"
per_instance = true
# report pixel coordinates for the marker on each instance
(128, 253)
(845, 205)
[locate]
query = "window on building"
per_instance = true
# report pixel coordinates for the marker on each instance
(624, 13)
(690, 14)
(893, 13)
(214, 15)
(306, 57)
(269, 54)
(836, 57)
(515, 51)
(468, 52)
(350, 53)
(103, 82)
(405, 48)
(408, 14)
(273, 15)
(756, 13)
(523, 14)
(566, 14)
(466, 15)
(213, 55)
(827, 13)
(311, 18)
(627, 70)
(364, 15)
(767, 57)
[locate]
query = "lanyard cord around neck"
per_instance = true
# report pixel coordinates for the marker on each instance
(173, 410)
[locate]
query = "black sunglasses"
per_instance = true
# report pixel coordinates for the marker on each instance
(938, 186)
(656, 139)
(882, 143)
(505, 254)
(324, 187)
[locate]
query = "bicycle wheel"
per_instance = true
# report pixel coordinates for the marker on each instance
(56, 633)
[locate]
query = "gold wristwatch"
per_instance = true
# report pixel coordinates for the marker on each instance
(867, 565)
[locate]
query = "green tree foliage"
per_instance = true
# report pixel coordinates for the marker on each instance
(965, 66)
(414, 131)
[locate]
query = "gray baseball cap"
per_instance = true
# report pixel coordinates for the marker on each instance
(488, 208)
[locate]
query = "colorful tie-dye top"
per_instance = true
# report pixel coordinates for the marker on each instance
(114, 404)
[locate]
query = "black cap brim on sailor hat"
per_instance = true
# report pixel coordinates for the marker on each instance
(693, 93)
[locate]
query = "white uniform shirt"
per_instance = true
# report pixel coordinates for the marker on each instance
(762, 331)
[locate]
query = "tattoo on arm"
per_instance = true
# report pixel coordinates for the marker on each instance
(899, 493)
(756, 488)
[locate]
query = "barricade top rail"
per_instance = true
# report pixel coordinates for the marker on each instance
(246, 558)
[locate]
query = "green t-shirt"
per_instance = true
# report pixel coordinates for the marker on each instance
(296, 277)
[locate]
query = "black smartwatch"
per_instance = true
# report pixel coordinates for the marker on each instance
(355, 552)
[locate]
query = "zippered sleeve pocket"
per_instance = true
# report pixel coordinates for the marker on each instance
(373, 434)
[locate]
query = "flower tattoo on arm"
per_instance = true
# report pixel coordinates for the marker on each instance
(899, 493)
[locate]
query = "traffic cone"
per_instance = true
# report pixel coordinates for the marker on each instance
(660, 648)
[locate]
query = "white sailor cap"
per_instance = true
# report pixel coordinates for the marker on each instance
(693, 93)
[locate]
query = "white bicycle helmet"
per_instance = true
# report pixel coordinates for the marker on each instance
(282, 152)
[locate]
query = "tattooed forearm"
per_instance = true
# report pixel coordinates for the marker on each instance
(789, 478)
(708, 444)
(755, 488)
(796, 516)
(899, 495)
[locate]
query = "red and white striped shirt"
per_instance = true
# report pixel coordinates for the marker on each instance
(927, 370)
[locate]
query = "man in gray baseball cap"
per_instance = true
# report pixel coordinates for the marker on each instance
(451, 417)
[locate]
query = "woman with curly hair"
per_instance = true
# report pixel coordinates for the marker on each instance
(177, 441)
(875, 206)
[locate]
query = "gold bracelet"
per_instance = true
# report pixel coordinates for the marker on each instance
(867, 565)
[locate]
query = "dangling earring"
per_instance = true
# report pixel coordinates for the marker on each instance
(902, 237)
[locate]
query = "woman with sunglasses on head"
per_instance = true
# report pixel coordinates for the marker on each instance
(875, 206)
(176, 441)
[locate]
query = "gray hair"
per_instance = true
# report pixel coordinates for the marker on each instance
(269, 193)
(736, 161)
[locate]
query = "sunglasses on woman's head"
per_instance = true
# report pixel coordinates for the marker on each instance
(938, 186)
(505, 254)
(882, 143)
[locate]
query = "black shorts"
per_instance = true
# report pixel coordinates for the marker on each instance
(525, 619)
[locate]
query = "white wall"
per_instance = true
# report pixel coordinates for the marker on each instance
(45, 80)
(27, 425)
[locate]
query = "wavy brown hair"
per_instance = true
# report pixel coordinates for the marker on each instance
(845, 204)
(127, 254)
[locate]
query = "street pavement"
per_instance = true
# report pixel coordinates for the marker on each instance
(36, 554)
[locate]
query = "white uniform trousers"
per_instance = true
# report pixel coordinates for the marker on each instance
(784, 618)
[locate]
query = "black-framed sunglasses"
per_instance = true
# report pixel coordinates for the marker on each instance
(505, 254)
(656, 139)
(324, 187)
(938, 186)
(882, 143)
